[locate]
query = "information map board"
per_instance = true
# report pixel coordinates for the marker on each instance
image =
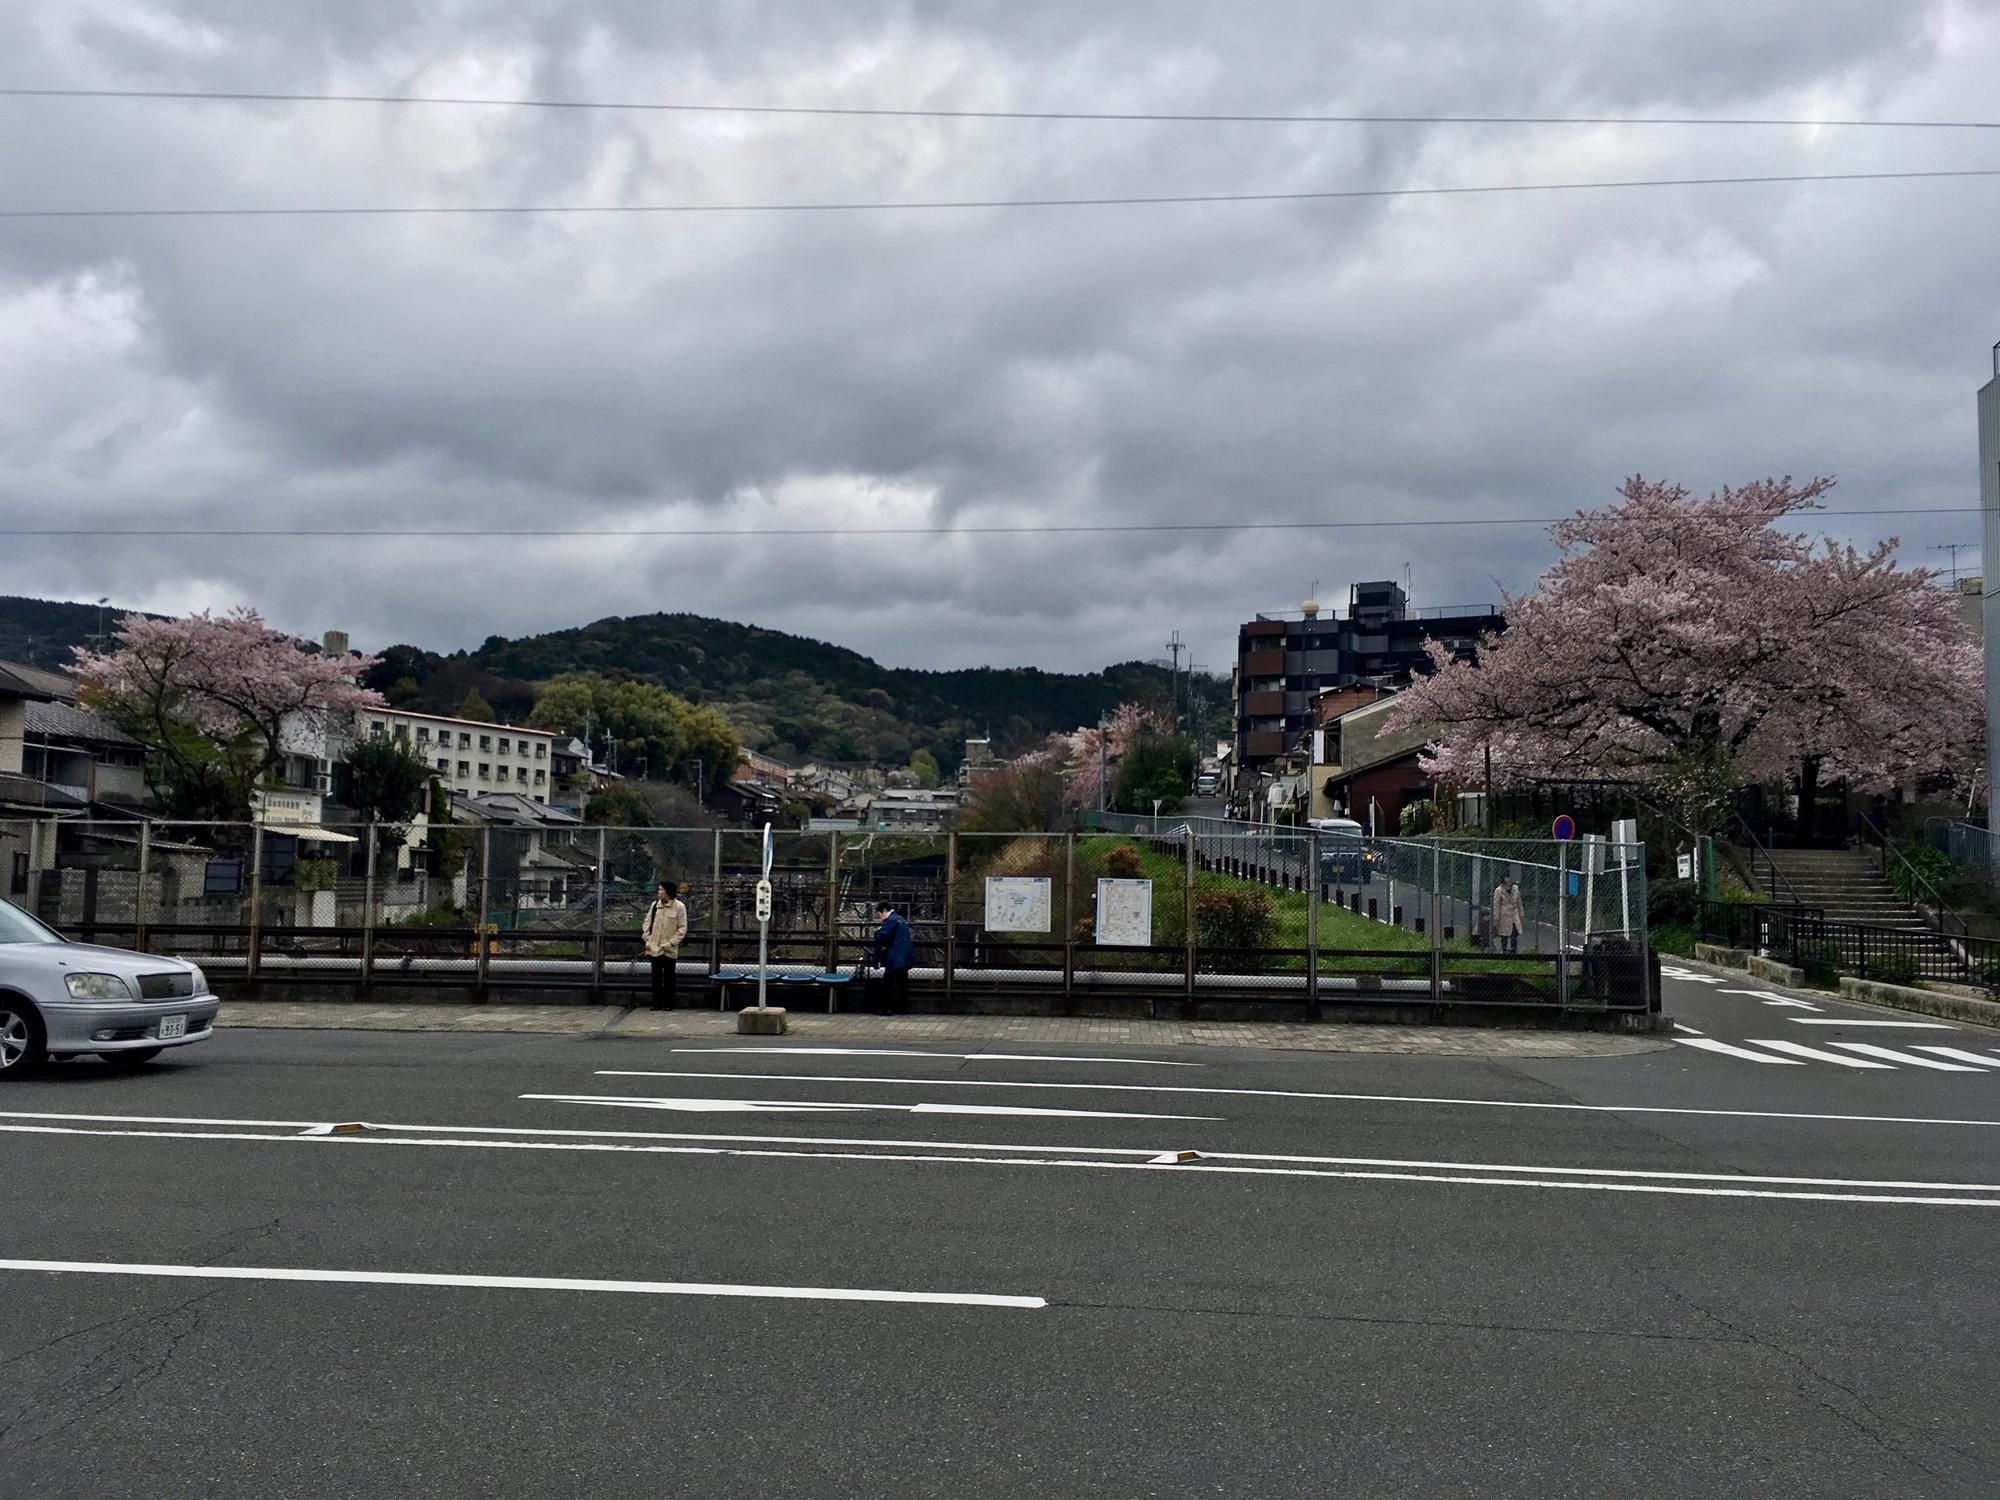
(1017, 903)
(1125, 913)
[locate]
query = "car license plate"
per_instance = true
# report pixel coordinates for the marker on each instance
(172, 1026)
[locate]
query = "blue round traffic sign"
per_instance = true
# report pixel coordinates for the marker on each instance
(1564, 827)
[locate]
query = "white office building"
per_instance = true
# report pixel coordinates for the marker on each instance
(469, 757)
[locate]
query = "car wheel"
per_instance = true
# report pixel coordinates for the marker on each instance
(138, 1057)
(22, 1041)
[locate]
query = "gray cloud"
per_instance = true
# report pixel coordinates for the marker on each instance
(1440, 359)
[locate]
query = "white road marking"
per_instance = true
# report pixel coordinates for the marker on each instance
(781, 1051)
(1181, 1088)
(1799, 1049)
(1770, 999)
(748, 1106)
(523, 1283)
(1958, 1053)
(1688, 1029)
(892, 1145)
(1708, 1045)
(1548, 1179)
(1899, 1025)
(1871, 1050)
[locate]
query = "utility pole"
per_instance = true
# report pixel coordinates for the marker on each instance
(699, 801)
(1176, 646)
(1954, 548)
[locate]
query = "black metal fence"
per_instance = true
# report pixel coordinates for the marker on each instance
(1803, 937)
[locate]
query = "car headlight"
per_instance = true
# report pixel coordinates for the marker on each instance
(97, 987)
(200, 980)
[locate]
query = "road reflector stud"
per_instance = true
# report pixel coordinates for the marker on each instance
(346, 1127)
(1174, 1158)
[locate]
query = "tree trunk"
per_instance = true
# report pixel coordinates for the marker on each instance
(1808, 819)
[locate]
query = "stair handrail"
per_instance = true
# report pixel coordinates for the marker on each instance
(1936, 901)
(1777, 875)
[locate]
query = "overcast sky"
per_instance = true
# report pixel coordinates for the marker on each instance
(1418, 358)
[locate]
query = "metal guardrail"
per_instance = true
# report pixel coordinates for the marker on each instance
(1804, 938)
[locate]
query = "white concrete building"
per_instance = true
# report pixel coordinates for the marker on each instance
(472, 758)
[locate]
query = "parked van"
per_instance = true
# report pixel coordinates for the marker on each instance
(1345, 854)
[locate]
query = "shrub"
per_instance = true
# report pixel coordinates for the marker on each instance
(1233, 917)
(1673, 903)
(1124, 862)
(313, 874)
(1920, 865)
(1677, 938)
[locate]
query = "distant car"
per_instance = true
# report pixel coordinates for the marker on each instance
(1345, 854)
(63, 999)
(1204, 786)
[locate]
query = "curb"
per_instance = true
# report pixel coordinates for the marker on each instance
(1923, 1002)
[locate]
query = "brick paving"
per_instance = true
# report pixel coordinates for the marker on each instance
(1432, 1041)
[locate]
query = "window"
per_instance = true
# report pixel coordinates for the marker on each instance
(502, 775)
(541, 751)
(464, 740)
(444, 765)
(485, 771)
(541, 776)
(486, 742)
(465, 768)
(423, 734)
(504, 748)
(376, 729)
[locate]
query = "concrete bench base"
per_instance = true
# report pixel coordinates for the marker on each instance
(760, 1020)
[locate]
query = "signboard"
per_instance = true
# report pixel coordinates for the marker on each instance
(1125, 913)
(1625, 834)
(1564, 828)
(269, 805)
(1684, 863)
(763, 900)
(1017, 903)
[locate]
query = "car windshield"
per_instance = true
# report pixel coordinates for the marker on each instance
(16, 926)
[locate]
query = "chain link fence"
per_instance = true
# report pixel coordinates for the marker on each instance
(1188, 908)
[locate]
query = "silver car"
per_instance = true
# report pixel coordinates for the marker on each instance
(60, 999)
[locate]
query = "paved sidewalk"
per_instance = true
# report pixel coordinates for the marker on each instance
(1432, 1041)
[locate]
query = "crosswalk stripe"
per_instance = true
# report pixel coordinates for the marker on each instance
(1799, 1049)
(1903, 1057)
(1960, 1054)
(1708, 1044)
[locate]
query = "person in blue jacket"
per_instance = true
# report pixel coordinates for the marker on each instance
(895, 954)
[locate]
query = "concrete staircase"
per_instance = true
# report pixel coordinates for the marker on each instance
(1841, 882)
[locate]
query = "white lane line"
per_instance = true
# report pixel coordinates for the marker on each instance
(1183, 1088)
(748, 1106)
(1770, 999)
(523, 1283)
(1799, 1049)
(1150, 1165)
(897, 1149)
(782, 1051)
(1689, 1030)
(1869, 1049)
(1708, 1045)
(1958, 1053)
(1899, 1025)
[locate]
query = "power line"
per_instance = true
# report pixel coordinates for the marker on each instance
(484, 533)
(1147, 200)
(1087, 116)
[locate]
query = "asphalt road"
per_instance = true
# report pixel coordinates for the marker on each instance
(1683, 1272)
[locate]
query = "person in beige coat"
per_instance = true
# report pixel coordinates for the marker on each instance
(666, 923)
(1508, 914)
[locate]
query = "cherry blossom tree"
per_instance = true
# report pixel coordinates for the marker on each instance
(215, 699)
(1692, 645)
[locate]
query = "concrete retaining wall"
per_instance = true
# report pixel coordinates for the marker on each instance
(1924, 1002)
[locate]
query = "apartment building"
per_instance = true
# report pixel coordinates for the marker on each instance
(473, 758)
(1285, 661)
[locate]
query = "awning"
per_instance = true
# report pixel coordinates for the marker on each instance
(311, 833)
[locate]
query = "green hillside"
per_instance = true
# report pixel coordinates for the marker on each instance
(785, 693)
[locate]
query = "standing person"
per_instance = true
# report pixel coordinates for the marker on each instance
(895, 955)
(1508, 914)
(665, 925)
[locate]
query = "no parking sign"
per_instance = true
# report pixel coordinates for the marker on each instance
(1563, 829)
